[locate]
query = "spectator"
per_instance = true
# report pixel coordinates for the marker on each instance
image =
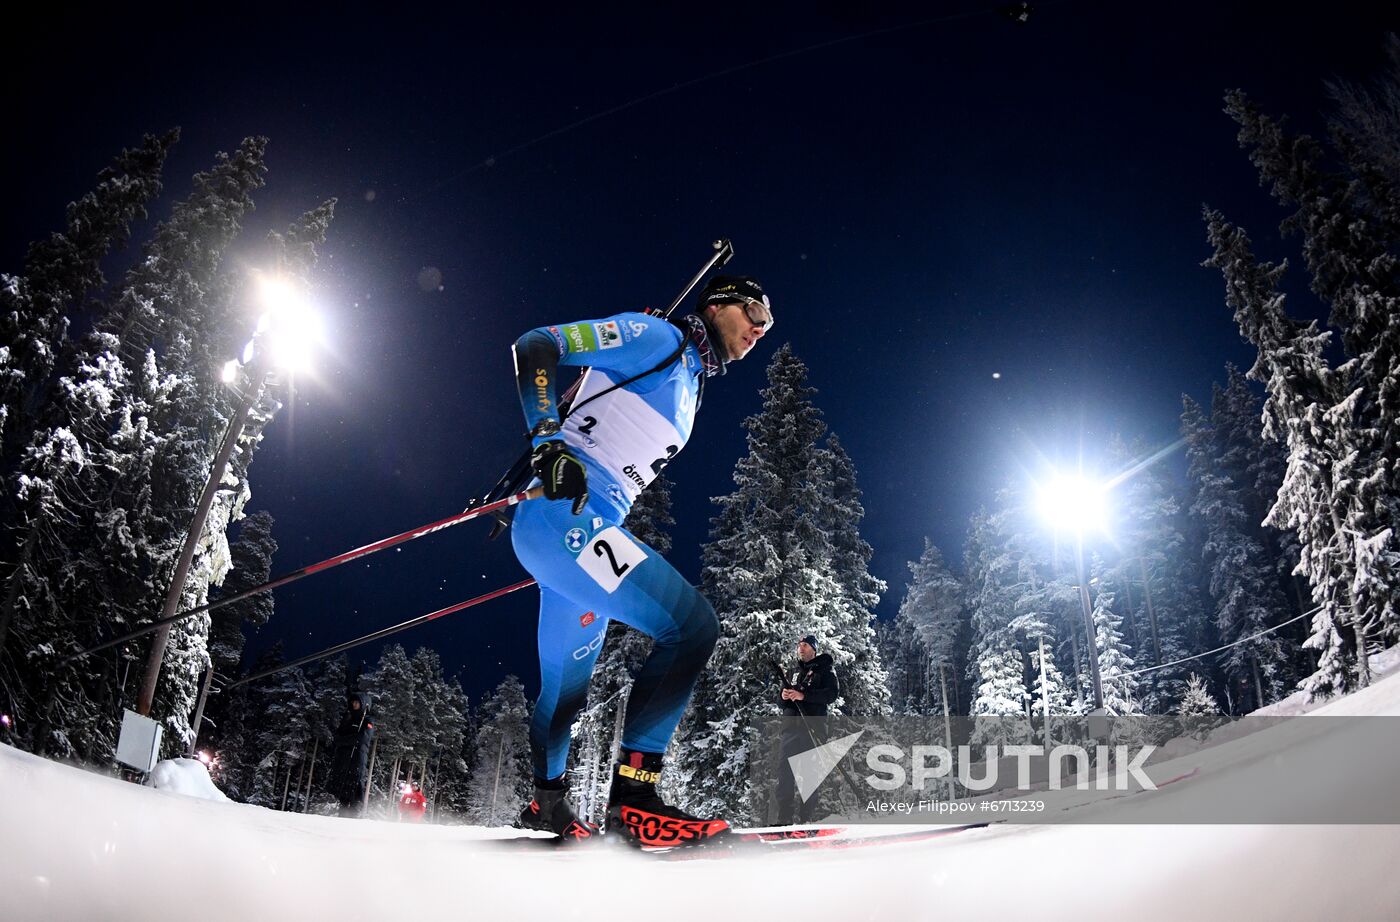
(807, 690)
(413, 804)
(350, 755)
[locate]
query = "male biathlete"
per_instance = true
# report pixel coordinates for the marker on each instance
(632, 414)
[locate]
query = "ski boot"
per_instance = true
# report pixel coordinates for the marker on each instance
(639, 815)
(550, 811)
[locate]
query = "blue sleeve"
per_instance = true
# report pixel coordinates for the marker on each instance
(625, 344)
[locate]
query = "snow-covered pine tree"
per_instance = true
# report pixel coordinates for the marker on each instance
(1351, 244)
(997, 583)
(1265, 463)
(864, 690)
(501, 777)
(1158, 574)
(105, 483)
(598, 730)
(38, 308)
(1198, 711)
(1051, 596)
(250, 559)
(1198, 701)
(1364, 128)
(397, 721)
(1259, 467)
(232, 743)
(1048, 686)
(928, 624)
(278, 728)
(1308, 409)
(1115, 653)
(62, 277)
(329, 687)
(1247, 598)
(451, 783)
(442, 708)
(767, 572)
(906, 666)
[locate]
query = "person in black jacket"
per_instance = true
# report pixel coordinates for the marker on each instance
(807, 690)
(350, 755)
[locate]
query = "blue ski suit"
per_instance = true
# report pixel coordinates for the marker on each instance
(589, 568)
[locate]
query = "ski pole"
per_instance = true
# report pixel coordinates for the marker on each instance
(385, 632)
(328, 563)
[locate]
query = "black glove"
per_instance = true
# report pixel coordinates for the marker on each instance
(562, 474)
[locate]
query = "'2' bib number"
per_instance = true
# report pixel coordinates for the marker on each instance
(610, 558)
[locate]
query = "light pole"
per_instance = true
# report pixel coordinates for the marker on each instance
(1078, 504)
(284, 334)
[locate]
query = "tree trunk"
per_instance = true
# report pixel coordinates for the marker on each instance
(947, 728)
(310, 774)
(1363, 660)
(286, 784)
(12, 594)
(1132, 616)
(496, 784)
(1151, 613)
(301, 773)
(369, 776)
(1078, 668)
(1258, 683)
(1297, 585)
(437, 779)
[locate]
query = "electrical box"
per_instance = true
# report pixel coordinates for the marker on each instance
(138, 746)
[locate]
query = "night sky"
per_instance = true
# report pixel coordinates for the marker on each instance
(933, 196)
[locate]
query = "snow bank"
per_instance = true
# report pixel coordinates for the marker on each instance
(184, 776)
(1382, 664)
(75, 845)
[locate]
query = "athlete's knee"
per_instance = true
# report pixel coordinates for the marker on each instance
(701, 628)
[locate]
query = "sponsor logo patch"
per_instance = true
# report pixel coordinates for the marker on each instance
(609, 336)
(575, 539)
(559, 341)
(542, 402)
(637, 327)
(588, 649)
(631, 471)
(587, 619)
(581, 337)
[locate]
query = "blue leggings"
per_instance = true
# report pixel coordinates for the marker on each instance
(623, 579)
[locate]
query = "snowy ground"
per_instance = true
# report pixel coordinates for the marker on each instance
(74, 845)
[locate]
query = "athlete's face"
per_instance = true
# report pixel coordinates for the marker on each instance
(735, 329)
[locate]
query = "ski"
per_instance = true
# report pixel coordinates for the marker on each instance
(837, 836)
(744, 841)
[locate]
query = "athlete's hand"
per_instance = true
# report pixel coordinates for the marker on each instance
(562, 474)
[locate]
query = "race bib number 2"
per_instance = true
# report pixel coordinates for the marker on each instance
(610, 558)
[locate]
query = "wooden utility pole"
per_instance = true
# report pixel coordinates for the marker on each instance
(193, 535)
